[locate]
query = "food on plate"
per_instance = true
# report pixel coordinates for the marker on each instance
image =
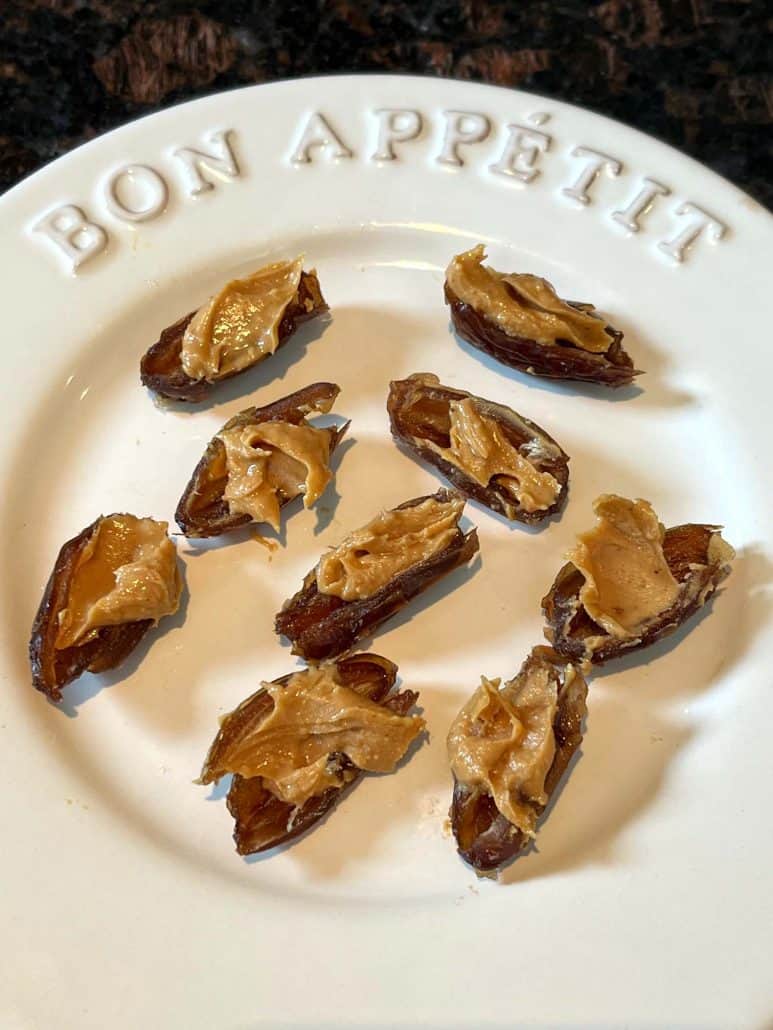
(296, 744)
(520, 320)
(629, 581)
(247, 321)
(109, 585)
(488, 451)
(374, 572)
(508, 748)
(261, 460)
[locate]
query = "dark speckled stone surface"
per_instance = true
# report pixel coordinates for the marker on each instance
(696, 73)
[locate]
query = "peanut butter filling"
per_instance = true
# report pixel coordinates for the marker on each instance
(239, 325)
(524, 305)
(127, 572)
(480, 448)
(502, 743)
(388, 545)
(627, 579)
(272, 462)
(297, 747)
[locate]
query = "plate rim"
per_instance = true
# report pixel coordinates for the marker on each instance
(694, 164)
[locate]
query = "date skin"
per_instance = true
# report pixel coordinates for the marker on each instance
(321, 626)
(419, 412)
(485, 838)
(202, 511)
(562, 360)
(53, 668)
(686, 549)
(261, 820)
(161, 367)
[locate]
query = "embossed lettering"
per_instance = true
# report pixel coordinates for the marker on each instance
(461, 127)
(640, 205)
(318, 132)
(218, 161)
(522, 150)
(136, 193)
(677, 247)
(596, 161)
(394, 126)
(68, 228)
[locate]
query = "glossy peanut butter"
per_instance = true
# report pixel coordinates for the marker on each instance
(272, 462)
(523, 305)
(627, 580)
(502, 743)
(239, 325)
(314, 720)
(127, 572)
(388, 545)
(480, 448)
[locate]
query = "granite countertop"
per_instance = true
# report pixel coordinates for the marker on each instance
(695, 73)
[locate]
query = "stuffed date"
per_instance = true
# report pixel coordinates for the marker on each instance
(508, 748)
(261, 460)
(246, 322)
(109, 585)
(374, 572)
(488, 451)
(295, 745)
(520, 320)
(629, 581)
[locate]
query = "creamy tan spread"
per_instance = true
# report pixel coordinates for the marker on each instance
(127, 572)
(523, 305)
(627, 580)
(502, 743)
(719, 552)
(314, 718)
(481, 449)
(271, 462)
(238, 326)
(388, 545)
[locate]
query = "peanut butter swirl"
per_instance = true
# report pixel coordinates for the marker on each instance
(502, 743)
(127, 572)
(389, 544)
(480, 448)
(271, 462)
(239, 325)
(628, 583)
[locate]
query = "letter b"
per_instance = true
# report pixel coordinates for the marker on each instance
(71, 232)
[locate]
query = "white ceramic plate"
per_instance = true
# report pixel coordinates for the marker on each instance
(124, 903)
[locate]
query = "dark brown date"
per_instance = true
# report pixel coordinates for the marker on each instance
(202, 510)
(487, 839)
(161, 368)
(419, 413)
(263, 821)
(694, 562)
(561, 360)
(52, 667)
(321, 626)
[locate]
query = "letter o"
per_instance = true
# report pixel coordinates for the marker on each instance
(136, 193)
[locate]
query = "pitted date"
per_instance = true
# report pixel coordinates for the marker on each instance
(419, 411)
(54, 667)
(321, 626)
(202, 511)
(161, 367)
(485, 838)
(556, 359)
(698, 559)
(263, 821)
